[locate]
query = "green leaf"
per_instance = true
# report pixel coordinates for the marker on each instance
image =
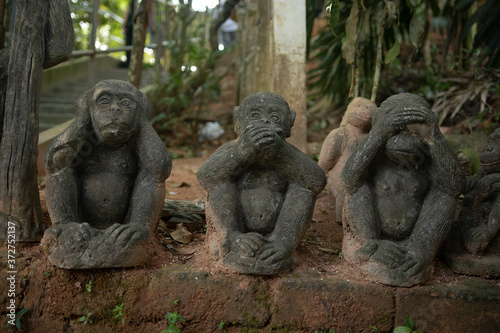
(392, 11)
(416, 29)
(349, 46)
(392, 53)
(334, 15)
(402, 329)
(409, 323)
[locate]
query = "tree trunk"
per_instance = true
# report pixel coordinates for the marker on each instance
(138, 43)
(36, 45)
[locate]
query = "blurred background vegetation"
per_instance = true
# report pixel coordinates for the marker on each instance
(444, 50)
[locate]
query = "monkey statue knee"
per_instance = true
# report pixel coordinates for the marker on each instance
(474, 245)
(261, 189)
(339, 144)
(105, 181)
(403, 184)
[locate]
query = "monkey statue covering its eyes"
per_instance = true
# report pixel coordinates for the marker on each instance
(402, 184)
(261, 189)
(105, 180)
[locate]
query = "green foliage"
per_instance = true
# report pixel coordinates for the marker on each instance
(111, 15)
(118, 313)
(88, 286)
(173, 319)
(86, 319)
(17, 319)
(408, 328)
(46, 273)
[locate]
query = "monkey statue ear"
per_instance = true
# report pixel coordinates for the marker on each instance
(145, 105)
(293, 115)
(82, 105)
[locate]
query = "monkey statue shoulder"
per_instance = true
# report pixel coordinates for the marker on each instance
(403, 184)
(474, 245)
(261, 190)
(105, 181)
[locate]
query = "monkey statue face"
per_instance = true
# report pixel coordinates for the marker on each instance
(114, 113)
(490, 158)
(265, 109)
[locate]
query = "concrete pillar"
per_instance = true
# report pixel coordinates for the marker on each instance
(289, 56)
(271, 56)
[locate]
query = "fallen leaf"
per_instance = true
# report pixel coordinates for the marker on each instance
(181, 234)
(185, 250)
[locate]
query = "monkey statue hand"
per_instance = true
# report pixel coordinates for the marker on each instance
(256, 140)
(273, 252)
(126, 235)
(477, 239)
(488, 185)
(245, 244)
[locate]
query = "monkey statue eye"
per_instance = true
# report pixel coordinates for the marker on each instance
(255, 115)
(126, 102)
(104, 101)
(276, 118)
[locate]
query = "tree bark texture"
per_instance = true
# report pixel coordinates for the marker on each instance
(138, 43)
(43, 37)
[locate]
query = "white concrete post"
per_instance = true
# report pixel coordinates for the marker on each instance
(289, 56)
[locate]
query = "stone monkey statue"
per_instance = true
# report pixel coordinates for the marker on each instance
(261, 189)
(403, 184)
(474, 245)
(105, 180)
(339, 145)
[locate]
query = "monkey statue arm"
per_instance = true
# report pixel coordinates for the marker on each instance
(478, 238)
(331, 149)
(305, 181)
(291, 225)
(441, 203)
(148, 193)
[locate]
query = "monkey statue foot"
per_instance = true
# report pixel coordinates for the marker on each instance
(255, 265)
(79, 246)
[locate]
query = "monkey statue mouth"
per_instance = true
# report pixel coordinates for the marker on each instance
(404, 149)
(115, 134)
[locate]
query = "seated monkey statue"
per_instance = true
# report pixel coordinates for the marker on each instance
(339, 145)
(105, 183)
(403, 184)
(261, 189)
(474, 245)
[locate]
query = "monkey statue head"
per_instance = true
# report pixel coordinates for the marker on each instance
(359, 114)
(116, 107)
(264, 109)
(490, 158)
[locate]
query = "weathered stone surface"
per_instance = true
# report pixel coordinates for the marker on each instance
(473, 247)
(105, 181)
(311, 301)
(339, 145)
(261, 189)
(403, 184)
(471, 306)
